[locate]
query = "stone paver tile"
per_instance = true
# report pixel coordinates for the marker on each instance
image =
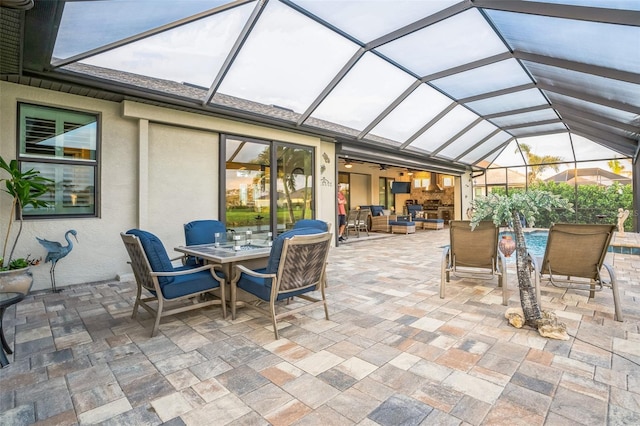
(490, 375)
(65, 418)
(613, 378)
(505, 412)
(528, 399)
(169, 406)
(400, 409)
(209, 369)
(104, 412)
(182, 379)
(67, 367)
(427, 323)
(300, 387)
(72, 340)
(622, 416)
(147, 388)
(210, 389)
(29, 334)
(440, 418)
(50, 398)
(458, 359)
(288, 413)
(379, 354)
(51, 358)
(574, 366)
(404, 361)
(344, 349)
(374, 389)
(430, 370)
(251, 418)
(21, 415)
(130, 369)
(629, 347)
(281, 373)
(89, 378)
(322, 416)
(471, 410)
(242, 380)
(179, 362)
(400, 380)
(356, 368)
(476, 388)
(318, 362)
(540, 357)
(353, 404)
(337, 379)
(266, 399)
(97, 396)
(138, 416)
(578, 407)
(585, 386)
(221, 411)
(436, 396)
(625, 399)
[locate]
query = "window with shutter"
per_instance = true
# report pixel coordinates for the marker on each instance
(62, 145)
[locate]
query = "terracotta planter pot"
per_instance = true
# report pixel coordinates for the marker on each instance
(507, 245)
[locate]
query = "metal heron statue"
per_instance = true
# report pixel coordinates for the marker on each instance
(57, 251)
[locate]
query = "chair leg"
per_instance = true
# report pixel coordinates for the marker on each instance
(232, 299)
(444, 273)
(136, 305)
(156, 324)
(616, 294)
(272, 306)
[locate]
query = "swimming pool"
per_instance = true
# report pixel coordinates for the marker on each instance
(537, 243)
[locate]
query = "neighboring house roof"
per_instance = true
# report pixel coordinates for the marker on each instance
(589, 176)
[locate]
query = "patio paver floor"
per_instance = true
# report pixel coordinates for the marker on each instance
(392, 353)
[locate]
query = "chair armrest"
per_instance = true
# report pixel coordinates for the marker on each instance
(245, 270)
(187, 272)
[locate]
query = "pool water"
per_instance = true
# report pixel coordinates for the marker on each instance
(536, 243)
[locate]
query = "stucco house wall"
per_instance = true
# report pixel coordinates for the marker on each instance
(158, 170)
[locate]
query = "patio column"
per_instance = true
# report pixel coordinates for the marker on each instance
(635, 213)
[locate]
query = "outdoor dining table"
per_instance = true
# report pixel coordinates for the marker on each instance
(7, 299)
(254, 255)
(226, 256)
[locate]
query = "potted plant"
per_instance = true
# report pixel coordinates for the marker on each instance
(511, 210)
(25, 188)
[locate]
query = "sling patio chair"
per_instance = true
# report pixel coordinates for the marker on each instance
(296, 267)
(313, 223)
(352, 223)
(363, 220)
(183, 286)
(474, 253)
(203, 232)
(574, 259)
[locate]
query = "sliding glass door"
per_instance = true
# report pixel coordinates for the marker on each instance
(258, 198)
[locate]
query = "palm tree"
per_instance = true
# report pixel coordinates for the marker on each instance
(502, 209)
(537, 164)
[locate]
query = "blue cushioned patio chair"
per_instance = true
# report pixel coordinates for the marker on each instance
(313, 223)
(155, 273)
(202, 232)
(296, 267)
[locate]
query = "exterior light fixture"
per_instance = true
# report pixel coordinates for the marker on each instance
(347, 164)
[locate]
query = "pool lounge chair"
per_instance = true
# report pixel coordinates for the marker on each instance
(474, 253)
(574, 259)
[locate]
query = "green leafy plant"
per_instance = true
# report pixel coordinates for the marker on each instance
(509, 210)
(25, 188)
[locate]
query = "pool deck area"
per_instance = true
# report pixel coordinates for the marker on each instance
(393, 352)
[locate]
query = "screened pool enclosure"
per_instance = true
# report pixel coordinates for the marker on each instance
(441, 85)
